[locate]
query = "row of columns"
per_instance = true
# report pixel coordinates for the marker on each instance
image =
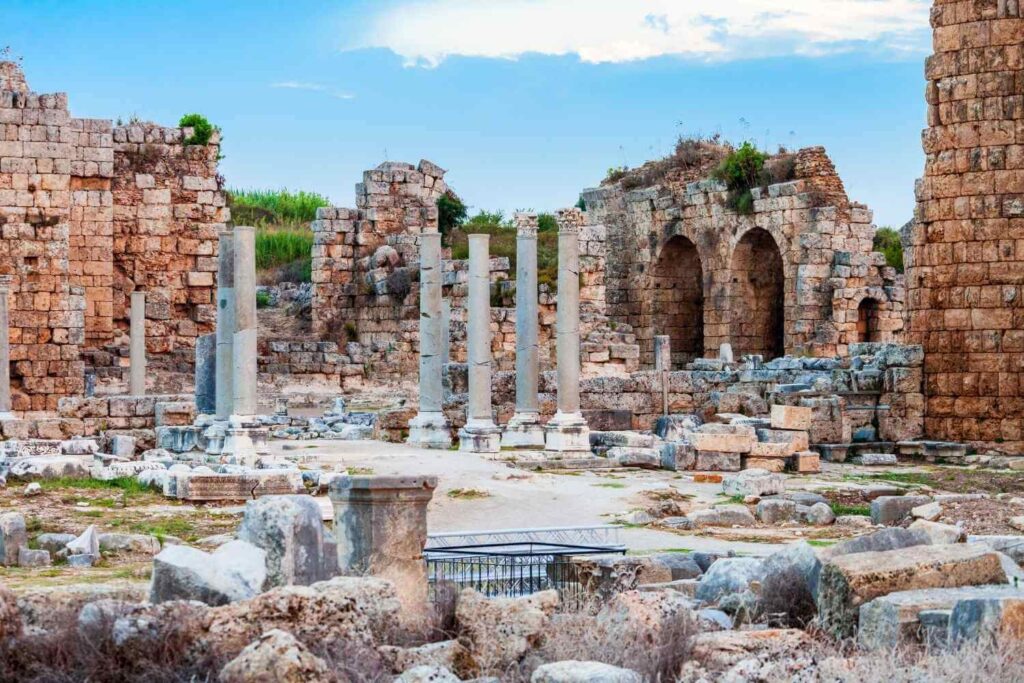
(567, 432)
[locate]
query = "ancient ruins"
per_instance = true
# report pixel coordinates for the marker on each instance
(725, 442)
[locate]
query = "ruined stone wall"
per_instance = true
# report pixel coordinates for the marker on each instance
(965, 251)
(790, 277)
(169, 206)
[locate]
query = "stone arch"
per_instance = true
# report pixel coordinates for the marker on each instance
(677, 290)
(757, 296)
(868, 316)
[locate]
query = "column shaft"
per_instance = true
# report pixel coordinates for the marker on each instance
(480, 435)
(527, 363)
(137, 348)
(244, 342)
(431, 343)
(225, 325)
(567, 322)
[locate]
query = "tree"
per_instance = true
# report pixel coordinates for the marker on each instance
(888, 242)
(451, 212)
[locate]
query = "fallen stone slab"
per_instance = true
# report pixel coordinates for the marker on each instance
(888, 510)
(1009, 545)
(879, 541)
(893, 620)
(797, 567)
(720, 650)
(33, 558)
(754, 483)
(722, 515)
(289, 529)
(572, 671)
(876, 460)
(627, 456)
(54, 542)
(773, 465)
(939, 533)
(987, 618)
(133, 543)
(716, 461)
(929, 511)
(622, 439)
(200, 486)
(878, 490)
(21, 448)
(51, 467)
(849, 581)
(680, 565)
(776, 511)
(797, 440)
(729, 575)
(235, 571)
(791, 417)
(771, 449)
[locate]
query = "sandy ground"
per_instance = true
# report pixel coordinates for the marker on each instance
(521, 499)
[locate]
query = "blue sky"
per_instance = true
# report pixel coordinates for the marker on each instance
(524, 101)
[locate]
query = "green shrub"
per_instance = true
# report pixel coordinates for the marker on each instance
(741, 171)
(279, 247)
(274, 207)
(451, 213)
(262, 299)
(889, 243)
(202, 129)
(546, 222)
(503, 244)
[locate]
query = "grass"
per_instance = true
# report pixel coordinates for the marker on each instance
(843, 509)
(503, 244)
(284, 240)
(610, 485)
(162, 528)
(274, 207)
(916, 478)
(287, 249)
(468, 494)
(356, 471)
(819, 543)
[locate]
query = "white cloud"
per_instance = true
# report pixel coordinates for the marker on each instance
(425, 32)
(313, 87)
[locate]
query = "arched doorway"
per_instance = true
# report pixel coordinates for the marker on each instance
(757, 297)
(867, 321)
(678, 292)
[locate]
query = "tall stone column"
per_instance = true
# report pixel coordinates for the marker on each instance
(137, 347)
(5, 348)
(524, 430)
(446, 331)
(430, 429)
(663, 365)
(244, 372)
(380, 523)
(567, 432)
(225, 325)
(480, 435)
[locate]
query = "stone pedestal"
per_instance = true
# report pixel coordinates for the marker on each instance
(430, 429)
(381, 527)
(5, 348)
(137, 345)
(480, 435)
(524, 430)
(567, 433)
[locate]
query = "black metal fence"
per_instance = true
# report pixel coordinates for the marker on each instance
(508, 569)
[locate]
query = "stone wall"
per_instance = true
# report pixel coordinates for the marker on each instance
(83, 225)
(965, 251)
(791, 277)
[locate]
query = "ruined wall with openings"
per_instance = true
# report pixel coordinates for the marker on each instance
(65, 217)
(792, 277)
(965, 250)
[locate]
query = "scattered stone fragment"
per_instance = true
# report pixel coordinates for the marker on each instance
(722, 649)
(878, 490)
(88, 543)
(572, 671)
(290, 531)
(54, 542)
(83, 560)
(235, 571)
(754, 482)
(134, 543)
(722, 515)
(876, 460)
(776, 511)
(449, 654)
(13, 536)
(729, 575)
(854, 521)
(50, 467)
(645, 458)
(499, 631)
(888, 510)
(676, 427)
(428, 674)
(929, 511)
(277, 657)
(32, 489)
(820, 514)
(33, 558)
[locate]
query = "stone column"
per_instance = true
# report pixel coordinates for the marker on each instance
(5, 348)
(567, 431)
(524, 429)
(244, 372)
(480, 435)
(137, 347)
(206, 374)
(663, 365)
(430, 429)
(380, 523)
(446, 331)
(225, 325)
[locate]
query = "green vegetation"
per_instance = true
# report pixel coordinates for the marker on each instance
(843, 509)
(741, 171)
(202, 129)
(817, 543)
(611, 485)
(915, 478)
(129, 485)
(356, 471)
(451, 213)
(888, 242)
(162, 528)
(275, 208)
(503, 242)
(262, 299)
(468, 494)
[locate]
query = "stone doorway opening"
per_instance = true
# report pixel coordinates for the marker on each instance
(757, 297)
(678, 292)
(867, 321)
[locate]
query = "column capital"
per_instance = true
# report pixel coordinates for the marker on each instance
(569, 221)
(526, 224)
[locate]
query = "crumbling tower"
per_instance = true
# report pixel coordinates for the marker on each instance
(965, 253)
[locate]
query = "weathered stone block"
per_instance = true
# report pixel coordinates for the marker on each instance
(791, 417)
(893, 509)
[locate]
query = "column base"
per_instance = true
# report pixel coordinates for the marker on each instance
(524, 430)
(243, 442)
(480, 437)
(430, 430)
(567, 434)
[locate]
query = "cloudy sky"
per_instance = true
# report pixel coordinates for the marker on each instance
(525, 101)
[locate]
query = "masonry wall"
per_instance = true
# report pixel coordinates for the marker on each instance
(965, 251)
(788, 278)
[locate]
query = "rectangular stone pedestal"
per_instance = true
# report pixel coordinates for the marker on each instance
(567, 434)
(480, 438)
(523, 431)
(430, 430)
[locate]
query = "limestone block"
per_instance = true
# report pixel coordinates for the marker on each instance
(715, 461)
(791, 417)
(806, 462)
(849, 581)
(13, 537)
(729, 575)
(797, 440)
(754, 482)
(235, 571)
(777, 465)
(771, 449)
(290, 531)
(987, 618)
(572, 671)
(890, 510)
(722, 515)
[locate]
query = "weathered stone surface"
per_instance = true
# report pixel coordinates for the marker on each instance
(290, 531)
(819, 514)
(849, 581)
(53, 607)
(721, 438)
(235, 571)
(499, 631)
(892, 620)
(54, 542)
(211, 486)
(722, 649)
(276, 657)
(681, 565)
(10, 617)
(676, 427)
(428, 674)
(51, 467)
(797, 440)
(450, 654)
(884, 539)
(776, 511)
(754, 482)
(791, 417)
(646, 616)
(572, 671)
(605, 577)
(88, 543)
(645, 458)
(13, 536)
(678, 456)
(893, 509)
(33, 558)
(939, 533)
(729, 575)
(133, 543)
(797, 562)
(987, 618)
(876, 460)
(722, 515)
(716, 461)
(929, 511)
